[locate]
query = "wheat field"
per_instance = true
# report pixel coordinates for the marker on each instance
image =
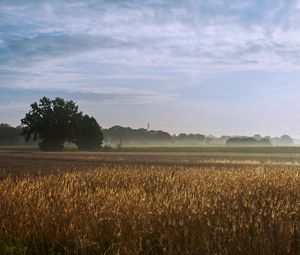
(222, 208)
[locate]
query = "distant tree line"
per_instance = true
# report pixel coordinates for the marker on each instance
(258, 140)
(10, 135)
(284, 140)
(52, 123)
(119, 136)
(126, 136)
(248, 141)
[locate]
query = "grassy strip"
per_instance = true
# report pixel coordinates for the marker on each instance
(212, 149)
(267, 150)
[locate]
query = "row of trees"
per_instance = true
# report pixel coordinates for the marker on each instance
(117, 136)
(51, 123)
(248, 141)
(54, 122)
(127, 136)
(10, 135)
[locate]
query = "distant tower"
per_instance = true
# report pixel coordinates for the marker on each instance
(148, 126)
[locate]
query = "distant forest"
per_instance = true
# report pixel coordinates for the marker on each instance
(10, 135)
(118, 136)
(126, 136)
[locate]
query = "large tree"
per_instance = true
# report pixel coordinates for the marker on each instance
(53, 122)
(89, 135)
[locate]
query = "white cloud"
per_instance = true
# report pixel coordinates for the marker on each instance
(53, 39)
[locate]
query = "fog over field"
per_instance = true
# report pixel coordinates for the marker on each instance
(211, 67)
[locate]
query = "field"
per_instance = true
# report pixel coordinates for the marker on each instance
(223, 149)
(149, 203)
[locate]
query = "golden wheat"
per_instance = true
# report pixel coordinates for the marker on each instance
(134, 209)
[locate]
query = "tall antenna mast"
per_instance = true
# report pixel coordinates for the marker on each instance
(148, 126)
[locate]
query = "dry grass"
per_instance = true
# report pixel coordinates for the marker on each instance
(233, 208)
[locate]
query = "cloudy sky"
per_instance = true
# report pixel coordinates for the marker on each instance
(205, 66)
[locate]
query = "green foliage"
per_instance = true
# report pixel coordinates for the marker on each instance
(9, 135)
(118, 136)
(143, 137)
(89, 135)
(54, 122)
(284, 140)
(248, 141)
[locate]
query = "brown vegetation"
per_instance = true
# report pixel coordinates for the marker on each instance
(122, 208)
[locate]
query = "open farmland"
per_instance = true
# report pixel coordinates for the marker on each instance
(149, 203)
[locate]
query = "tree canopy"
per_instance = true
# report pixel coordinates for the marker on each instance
(88, 133)
(54, 122)
(9, 135)
(248, 141)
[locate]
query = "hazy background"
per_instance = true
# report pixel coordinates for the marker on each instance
(208, 66)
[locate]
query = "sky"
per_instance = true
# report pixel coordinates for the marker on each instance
(196, 66)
